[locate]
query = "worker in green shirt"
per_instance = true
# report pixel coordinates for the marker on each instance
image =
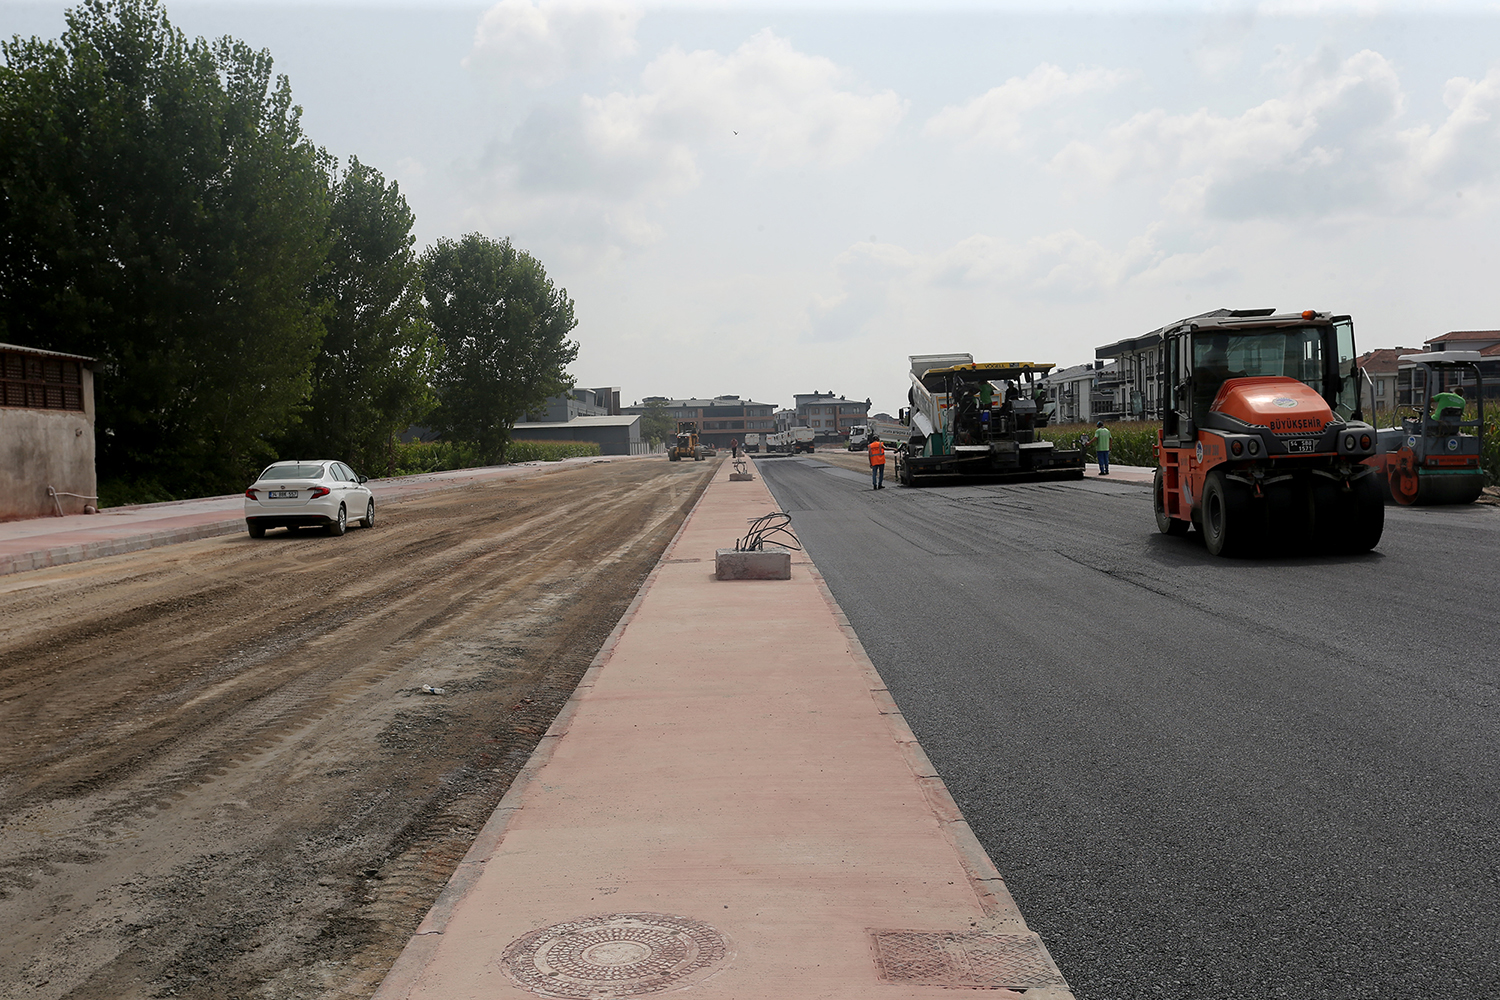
(1451, 400)
(1101, 447)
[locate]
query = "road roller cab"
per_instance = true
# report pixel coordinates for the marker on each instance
(1431, 453)
(1263, 443)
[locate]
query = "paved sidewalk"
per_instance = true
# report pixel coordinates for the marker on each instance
(55, 541)
(732, 805)
(1127, 473)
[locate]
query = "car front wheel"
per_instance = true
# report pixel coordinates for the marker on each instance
(369, 519)
(340, 523)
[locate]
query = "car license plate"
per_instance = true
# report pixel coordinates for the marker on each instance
(282, 494)
(1294, 445)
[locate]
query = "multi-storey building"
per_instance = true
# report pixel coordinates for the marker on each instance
(1135, 391)
(1486, 342)
(577, 403)
(831, 417)
(721, 419)
(1381, 367)
(1071, 391)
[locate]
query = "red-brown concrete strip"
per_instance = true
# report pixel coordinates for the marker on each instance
(55, 541)
(731, 759)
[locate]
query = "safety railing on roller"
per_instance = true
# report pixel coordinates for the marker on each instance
(774, 527)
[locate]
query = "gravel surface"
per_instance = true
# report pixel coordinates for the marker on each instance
(1201, 778)
(221, 772)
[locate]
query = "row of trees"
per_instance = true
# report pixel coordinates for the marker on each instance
(245, 295)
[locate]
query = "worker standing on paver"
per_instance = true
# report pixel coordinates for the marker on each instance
(1101, 447)
(877, 462)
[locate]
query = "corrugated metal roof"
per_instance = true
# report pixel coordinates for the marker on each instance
(46, 354)
(620, 421)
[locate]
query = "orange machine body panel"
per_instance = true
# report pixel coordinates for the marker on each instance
(1282, 405)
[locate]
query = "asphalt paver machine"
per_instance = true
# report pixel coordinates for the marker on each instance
(979, 422)
(1431, 453)
(1263, 443)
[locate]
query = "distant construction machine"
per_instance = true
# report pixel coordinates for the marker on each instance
(978, 422)
(1263, 443)
(1431, 455)
(685, 443)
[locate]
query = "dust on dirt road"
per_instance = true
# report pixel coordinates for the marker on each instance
(220, 775)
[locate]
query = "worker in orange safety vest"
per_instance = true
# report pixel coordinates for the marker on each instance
(877, 462)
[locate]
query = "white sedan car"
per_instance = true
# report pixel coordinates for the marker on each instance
(301, 494)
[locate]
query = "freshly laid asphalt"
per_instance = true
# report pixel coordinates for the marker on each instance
(1200, 778)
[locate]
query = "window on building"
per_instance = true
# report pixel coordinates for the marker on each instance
(40, 383)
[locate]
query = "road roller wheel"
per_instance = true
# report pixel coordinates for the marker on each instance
(1449, 488)
(1364, 516)
(1229, 523)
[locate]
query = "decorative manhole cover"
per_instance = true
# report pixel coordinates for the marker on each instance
(614, 955)
(993, 961)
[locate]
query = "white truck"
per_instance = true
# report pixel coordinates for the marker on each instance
(891, 433)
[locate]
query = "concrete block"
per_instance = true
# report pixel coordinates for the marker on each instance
(741, 477)
(771, 563)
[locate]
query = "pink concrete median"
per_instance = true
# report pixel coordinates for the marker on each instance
(731, 805)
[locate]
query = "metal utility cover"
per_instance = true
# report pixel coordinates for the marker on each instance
(971, 960)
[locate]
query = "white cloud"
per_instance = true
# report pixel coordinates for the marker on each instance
(538, 42)
(1465, 149)
(612, 157)
(785, 108)
(997, 117)
(877, 285)
(1332, 144)
(865, 275)
(1067, 264)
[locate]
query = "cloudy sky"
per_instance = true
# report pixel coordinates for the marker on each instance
(778, 198)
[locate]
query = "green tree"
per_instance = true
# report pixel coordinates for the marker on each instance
(372, 377)
(656, 421)
(504, 328)
(161, 210)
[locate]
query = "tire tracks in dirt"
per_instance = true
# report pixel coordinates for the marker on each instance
(220, 776)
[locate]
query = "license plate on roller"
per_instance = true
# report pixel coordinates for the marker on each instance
(282, 494)
(1294, 445)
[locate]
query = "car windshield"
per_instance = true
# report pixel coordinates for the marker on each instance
(1296, 352)
(293, 471)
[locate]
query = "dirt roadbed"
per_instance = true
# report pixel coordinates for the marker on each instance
(221, 772)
